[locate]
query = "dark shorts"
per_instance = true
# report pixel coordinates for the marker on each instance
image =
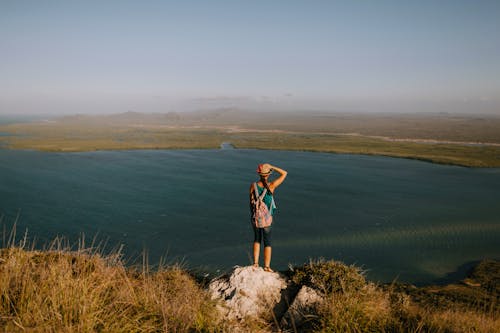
(262, 234)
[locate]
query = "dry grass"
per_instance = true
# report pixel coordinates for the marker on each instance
(374, 310)
(59, 290)
(463, 321)
(82, 290)
(366, 311)
(353, 305)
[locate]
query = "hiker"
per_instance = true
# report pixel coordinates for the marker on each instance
(262, 207)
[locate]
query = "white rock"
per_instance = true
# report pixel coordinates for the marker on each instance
(248, 292)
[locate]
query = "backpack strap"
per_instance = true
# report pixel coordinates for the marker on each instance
(261, 197)
(257, 196)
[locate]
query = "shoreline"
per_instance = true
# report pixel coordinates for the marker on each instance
(5, 146)
(462, 141)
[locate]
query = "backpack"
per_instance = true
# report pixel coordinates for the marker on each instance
(261, 216)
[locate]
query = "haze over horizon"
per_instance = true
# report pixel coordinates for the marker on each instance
(160, 56)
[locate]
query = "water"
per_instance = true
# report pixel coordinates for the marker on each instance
(16, 119)
(397, 218)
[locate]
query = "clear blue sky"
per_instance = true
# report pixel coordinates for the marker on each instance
(160, 56)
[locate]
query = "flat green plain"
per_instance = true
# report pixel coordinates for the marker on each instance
(440, 138)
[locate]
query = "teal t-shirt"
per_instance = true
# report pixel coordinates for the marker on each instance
(268, 199)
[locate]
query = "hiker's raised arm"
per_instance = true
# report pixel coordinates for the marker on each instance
(277, 182)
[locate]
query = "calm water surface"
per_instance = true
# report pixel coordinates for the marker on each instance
(397, 218)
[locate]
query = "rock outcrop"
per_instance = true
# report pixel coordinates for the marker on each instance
(303, 306)
(248, 292)
(252, 293)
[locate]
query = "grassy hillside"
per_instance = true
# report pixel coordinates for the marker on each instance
(60, 290)
(66, 291)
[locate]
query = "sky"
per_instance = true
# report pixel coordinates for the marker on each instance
(67, 57)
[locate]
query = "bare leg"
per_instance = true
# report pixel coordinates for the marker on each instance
(267, 257)
(256, 252)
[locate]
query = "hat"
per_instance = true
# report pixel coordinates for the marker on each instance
(264, 169)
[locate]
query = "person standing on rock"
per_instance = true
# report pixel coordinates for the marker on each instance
(262, 207)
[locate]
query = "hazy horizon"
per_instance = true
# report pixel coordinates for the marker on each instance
(36, 116)
(169, 56)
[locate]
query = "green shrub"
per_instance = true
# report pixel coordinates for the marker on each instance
(329, 276)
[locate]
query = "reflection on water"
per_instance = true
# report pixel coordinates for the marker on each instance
(397, 218)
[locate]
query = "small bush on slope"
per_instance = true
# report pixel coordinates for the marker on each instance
(329, 276)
